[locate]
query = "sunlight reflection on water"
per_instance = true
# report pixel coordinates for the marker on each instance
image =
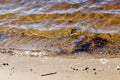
(25, 8)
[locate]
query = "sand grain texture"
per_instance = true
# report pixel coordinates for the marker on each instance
(31, 68)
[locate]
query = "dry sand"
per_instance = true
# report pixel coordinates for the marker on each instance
(32, 68)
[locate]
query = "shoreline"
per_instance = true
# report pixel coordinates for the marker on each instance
(42, 53)
(69, 40)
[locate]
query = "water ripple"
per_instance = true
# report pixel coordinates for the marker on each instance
(57, 14)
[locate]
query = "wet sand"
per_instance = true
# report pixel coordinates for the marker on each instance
(58, 68)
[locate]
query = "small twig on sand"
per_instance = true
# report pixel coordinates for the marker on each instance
(49, 74)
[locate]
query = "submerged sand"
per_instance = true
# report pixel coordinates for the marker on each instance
(58, 68)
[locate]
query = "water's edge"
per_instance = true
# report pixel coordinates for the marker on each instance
(67, 41)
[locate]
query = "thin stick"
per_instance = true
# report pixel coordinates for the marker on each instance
(49, 74)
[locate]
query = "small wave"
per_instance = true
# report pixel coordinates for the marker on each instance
(56, 25)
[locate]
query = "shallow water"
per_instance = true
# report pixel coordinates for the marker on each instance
(33, 17)
(57, 14)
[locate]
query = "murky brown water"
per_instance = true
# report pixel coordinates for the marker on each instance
(65, 26)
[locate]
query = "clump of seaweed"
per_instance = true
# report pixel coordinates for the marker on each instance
(91, 45)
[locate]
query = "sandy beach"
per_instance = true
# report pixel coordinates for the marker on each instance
(59, 39)
(58, 68)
